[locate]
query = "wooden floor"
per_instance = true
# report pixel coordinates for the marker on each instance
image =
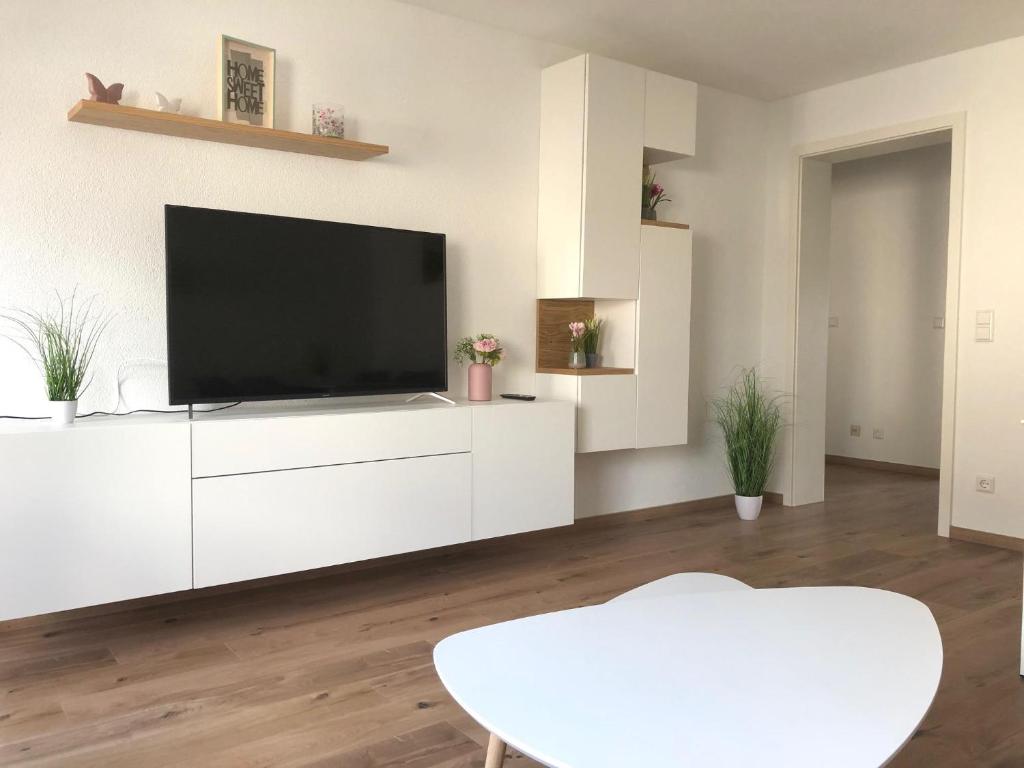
(337, 672)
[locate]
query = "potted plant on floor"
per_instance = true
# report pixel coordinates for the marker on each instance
(62, 344)
(483, 353)
(750, 419)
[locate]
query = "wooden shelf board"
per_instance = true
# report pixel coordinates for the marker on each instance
(587, 371)
(188, 127)
(653, 223)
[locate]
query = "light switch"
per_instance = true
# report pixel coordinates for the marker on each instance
(984, 325)
(833, 322)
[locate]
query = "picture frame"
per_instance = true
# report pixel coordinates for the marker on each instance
(246, 82)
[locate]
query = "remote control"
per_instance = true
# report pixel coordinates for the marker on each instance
(519, 397)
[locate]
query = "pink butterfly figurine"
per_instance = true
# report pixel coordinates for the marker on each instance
(101, 93)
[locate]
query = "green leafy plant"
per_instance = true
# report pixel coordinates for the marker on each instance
(61, 343)
(592, 335)
(483, 348)
(750, 419)
(652, 193)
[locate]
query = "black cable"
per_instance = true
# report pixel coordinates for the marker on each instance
(125, 413)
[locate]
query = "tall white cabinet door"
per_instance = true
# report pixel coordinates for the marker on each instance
(612, 175)
(523, 464)
(606, 420)
(560, 183)
(93, 514)
(663, 336)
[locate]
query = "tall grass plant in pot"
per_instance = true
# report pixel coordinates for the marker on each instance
(62, 343)
(750, 419)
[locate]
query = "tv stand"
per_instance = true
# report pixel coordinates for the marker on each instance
(431, 394)
(124, 507)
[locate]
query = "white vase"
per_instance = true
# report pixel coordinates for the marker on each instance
(748, 507)
(62, 412)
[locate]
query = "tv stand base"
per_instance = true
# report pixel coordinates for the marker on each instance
(431, 394)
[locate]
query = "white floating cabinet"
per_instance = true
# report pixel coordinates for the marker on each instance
(117, 508)
(94, 513)
(601, 122)
(591, 167)
(670, 118)
(605, 408)
(663, 336)
(522, 458)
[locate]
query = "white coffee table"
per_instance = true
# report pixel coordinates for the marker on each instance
(670, 676)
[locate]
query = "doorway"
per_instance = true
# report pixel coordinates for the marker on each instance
(804, 475)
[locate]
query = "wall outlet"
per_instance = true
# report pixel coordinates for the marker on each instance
(878, 434)
(985, 484)
(833, 322)
(855, 430)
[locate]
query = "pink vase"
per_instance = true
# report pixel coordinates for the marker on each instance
(479, 381)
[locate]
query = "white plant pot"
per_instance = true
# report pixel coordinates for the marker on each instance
(62, 412)
(748, 507)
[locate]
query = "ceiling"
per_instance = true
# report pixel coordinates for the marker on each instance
(763, 48)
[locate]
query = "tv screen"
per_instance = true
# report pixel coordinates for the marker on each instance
(270, 307)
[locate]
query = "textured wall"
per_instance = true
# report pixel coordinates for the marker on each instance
(83, 205)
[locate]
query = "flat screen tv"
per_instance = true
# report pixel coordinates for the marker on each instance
(270, 307)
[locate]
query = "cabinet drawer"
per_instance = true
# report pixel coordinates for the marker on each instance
(236, 446)
(249, 526)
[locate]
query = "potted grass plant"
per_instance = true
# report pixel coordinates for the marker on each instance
(62, 344)
(750, 419)
(592, 341)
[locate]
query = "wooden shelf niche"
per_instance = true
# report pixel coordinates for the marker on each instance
(189, 127)
(553, 347)
(656, 223)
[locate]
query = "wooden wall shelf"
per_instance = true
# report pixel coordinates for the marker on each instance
(588, 371)
(672, 224)
(188, 127)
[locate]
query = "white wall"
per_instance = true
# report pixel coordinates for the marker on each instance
(989, 399)
(887, 283)
(83, 206)
(457, 102)
(720, 193)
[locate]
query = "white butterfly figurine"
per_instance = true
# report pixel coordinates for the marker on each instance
(163, 104)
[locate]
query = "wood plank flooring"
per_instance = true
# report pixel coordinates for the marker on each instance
(336, 672)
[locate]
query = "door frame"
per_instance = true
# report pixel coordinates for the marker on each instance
(801, 478)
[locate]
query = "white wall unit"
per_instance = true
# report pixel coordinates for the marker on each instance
(607, 413)
(560, 186)
(93, 514)
(670, 118)
(591, 157)
(663, 337)
(263, 524)
(293, 441)
(521, 458)
(612, 174)
(113, 509)
(605, 408)
(601, 120)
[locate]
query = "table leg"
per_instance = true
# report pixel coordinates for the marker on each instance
(495, 753)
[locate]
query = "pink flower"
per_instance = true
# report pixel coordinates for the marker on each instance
(656, 189)
(485, 345)
(576, 329)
